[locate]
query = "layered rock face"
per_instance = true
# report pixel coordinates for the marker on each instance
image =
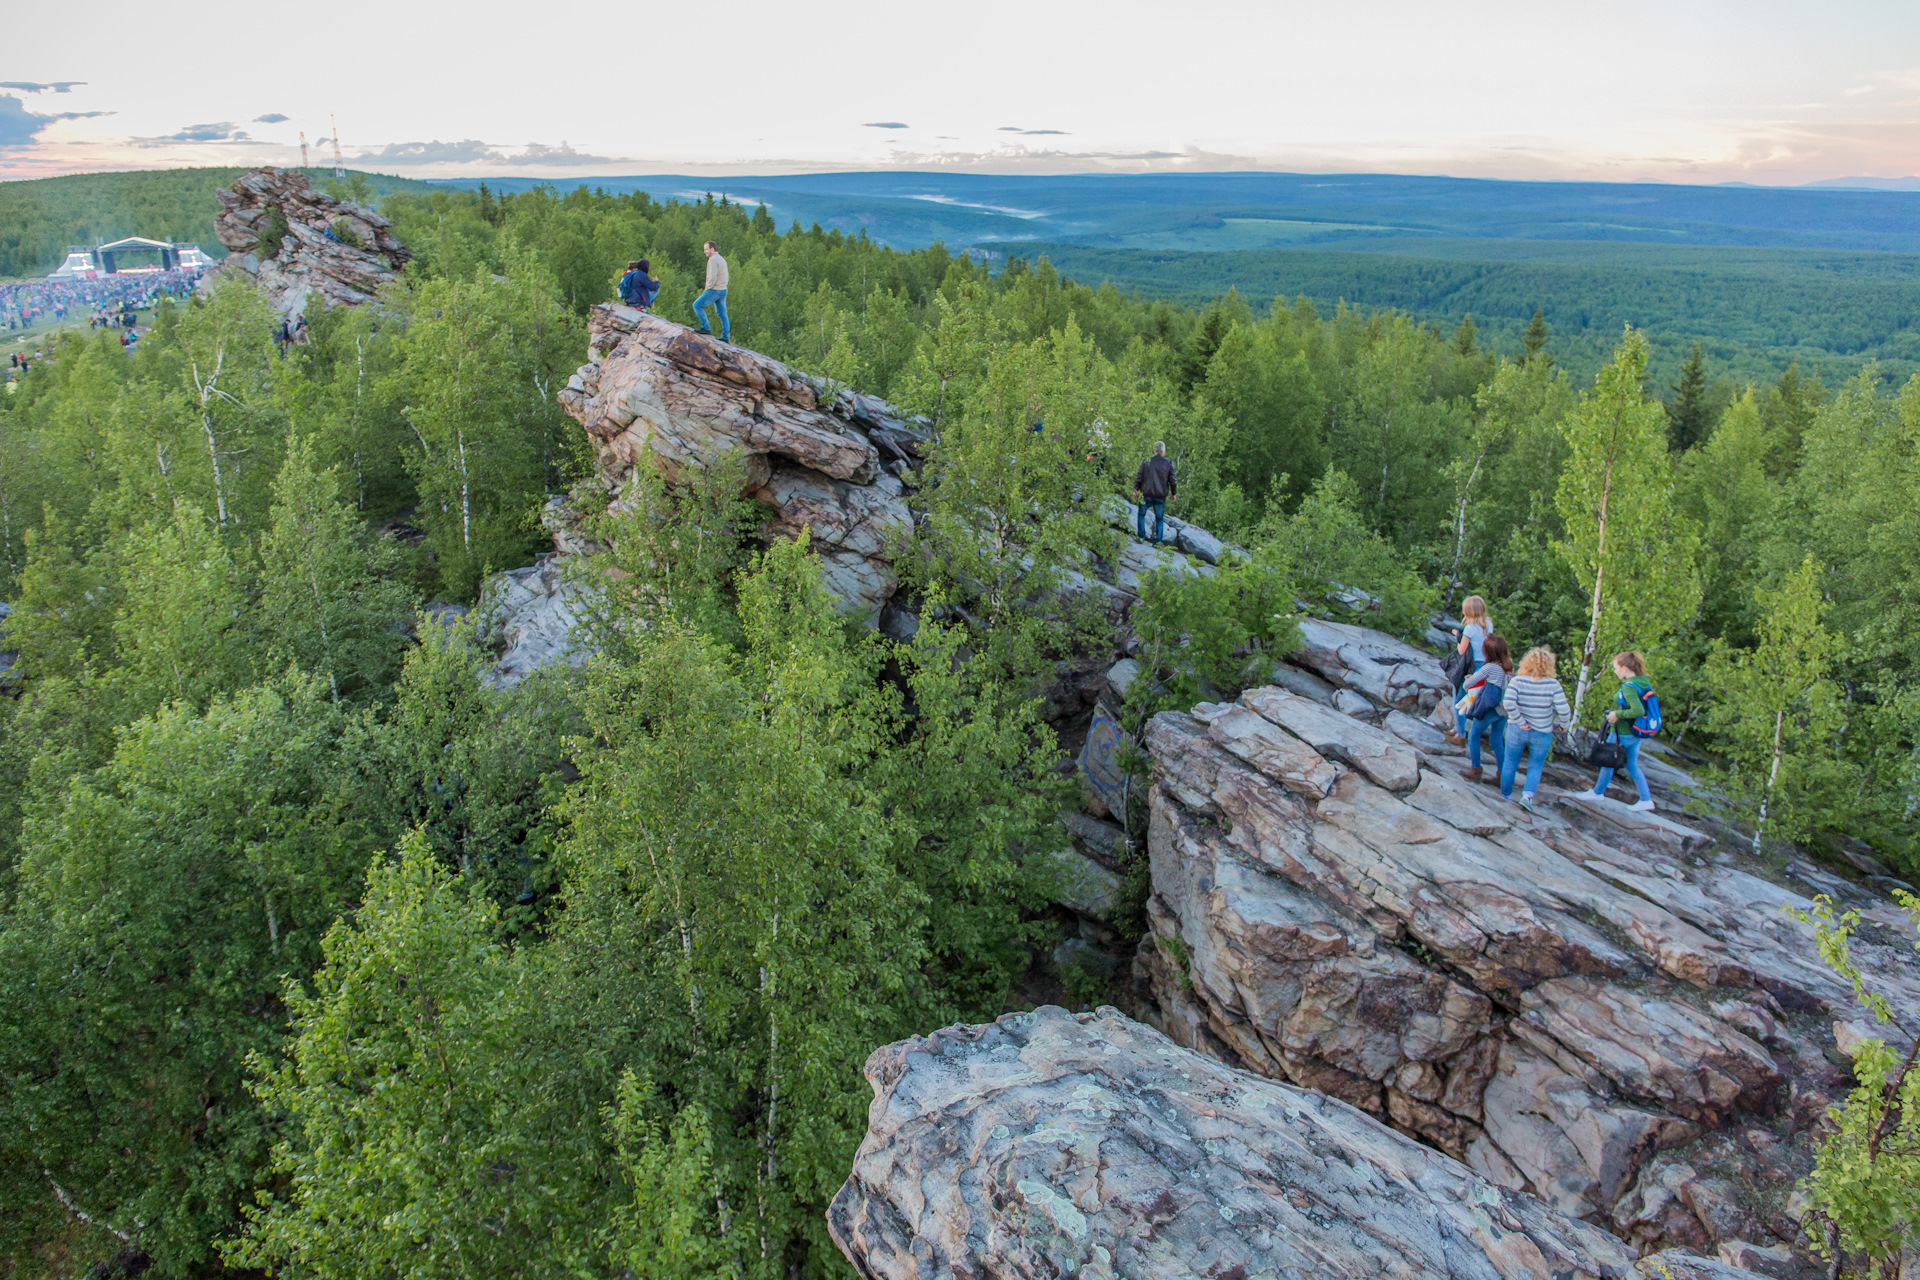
(1591, 1004)
(1058, 1144)
(825, 461)
(338, 251)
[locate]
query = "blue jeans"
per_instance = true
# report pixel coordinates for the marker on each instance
(1632, 744)
(1159, 508)
(1540, 742)
(1494, 728)
(718, 299)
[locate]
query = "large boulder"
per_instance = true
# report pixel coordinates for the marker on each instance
(1058, 1144)
(823, 460)
(1599, 1007)
(328, 249)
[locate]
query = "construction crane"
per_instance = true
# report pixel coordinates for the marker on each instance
(339, 165)
(303, 148)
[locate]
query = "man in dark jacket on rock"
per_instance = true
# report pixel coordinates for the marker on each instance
(1153, 485)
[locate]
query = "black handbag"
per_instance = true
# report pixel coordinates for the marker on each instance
(1454, 666)
(1608, 755)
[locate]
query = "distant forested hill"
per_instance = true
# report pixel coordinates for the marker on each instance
(40, 217)
(1754, 311)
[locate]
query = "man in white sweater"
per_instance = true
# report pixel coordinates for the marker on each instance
(716, 294)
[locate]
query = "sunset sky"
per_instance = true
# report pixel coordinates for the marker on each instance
(1688, 90)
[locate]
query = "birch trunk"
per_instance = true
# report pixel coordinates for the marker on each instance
(466, 505)
(1599, 573)
(1766, 797)
(208, 390)
(1460, 526)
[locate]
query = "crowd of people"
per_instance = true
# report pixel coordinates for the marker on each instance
(27, 303)
(1516, 707)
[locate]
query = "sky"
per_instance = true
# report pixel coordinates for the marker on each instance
(1757, 91)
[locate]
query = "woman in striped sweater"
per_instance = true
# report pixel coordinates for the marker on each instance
(1534, 704)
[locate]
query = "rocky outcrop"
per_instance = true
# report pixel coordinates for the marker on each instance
(824, 460)
(530, 619)
(1598, 1006)
(298, 244)
(1058, 1144)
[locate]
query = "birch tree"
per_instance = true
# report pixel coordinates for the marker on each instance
(331, 598)
(1776, 709)
(481, 357)
(1631, 551)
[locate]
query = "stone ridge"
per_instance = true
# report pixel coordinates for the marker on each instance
(1056, 1144)
(1574, 1001)
(830, 462)
(313, 257)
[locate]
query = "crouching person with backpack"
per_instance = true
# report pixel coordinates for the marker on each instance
(1485, 716)
(1636, 704)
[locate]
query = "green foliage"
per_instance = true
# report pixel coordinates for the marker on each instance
(482, 360)
(1866, 1173)
(330, 602)
(670, 553)
(1687, 411)
(1009, 526)
(1776, 711)
(431, 1128)
(1755, 311)
(606, 1008)
(1205, 635)
(752, 974)
(1341, 564)
(1632, 552)
(474, 772)
(163, 903)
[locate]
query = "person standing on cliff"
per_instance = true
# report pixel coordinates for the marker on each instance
(716, 293)
(1153, 485)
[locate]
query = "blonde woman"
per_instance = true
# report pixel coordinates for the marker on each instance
(1475, 627)
(1534, 703)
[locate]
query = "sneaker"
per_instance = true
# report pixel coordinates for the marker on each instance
(1526, 800)
(1590, 795)
(1643, 806)
(705, 333)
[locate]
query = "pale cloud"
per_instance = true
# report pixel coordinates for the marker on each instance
(436, 152)
(20, 127)
(219, 131)
(1505, 89)
(560, 155)
(272, 117)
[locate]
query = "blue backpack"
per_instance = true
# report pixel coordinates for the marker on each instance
(1652, 716)
(630, 285)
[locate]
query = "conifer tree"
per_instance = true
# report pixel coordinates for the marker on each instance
(1687, 406)
(1534, 341)
(1466, 339)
